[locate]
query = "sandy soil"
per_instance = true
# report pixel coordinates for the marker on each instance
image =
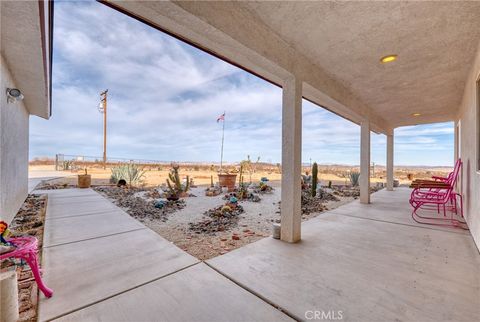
(154, 177)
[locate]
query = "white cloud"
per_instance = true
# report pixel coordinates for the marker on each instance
(164, 98)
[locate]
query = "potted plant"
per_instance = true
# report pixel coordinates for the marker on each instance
(84, 180)
(227, 179)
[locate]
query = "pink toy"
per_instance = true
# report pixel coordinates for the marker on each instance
(436, 194)
(26, 249)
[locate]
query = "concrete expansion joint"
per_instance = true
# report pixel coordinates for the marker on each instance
(124, 291)
(396, 223)
(82, 240)
(81, 215)
(264, 299)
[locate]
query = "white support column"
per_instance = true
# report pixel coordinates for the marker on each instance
(365, 162)
(291, 211)
(390, 161)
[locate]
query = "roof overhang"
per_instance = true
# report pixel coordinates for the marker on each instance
(26, 46)
(335, 49)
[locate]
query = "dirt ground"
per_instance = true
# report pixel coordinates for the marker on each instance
(201, 176)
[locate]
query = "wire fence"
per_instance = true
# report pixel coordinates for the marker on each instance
(74, 162)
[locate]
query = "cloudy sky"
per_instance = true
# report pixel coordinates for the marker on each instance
(165, 97)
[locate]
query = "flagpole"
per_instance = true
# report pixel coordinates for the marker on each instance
(223, 136)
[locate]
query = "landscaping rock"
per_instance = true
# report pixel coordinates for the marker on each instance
(218, 219)
(136, 202)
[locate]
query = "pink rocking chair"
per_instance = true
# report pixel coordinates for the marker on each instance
(439, 194)
(26, 249)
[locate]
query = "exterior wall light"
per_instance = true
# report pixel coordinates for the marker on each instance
(14, 95)
(416, 114)
(388, 59)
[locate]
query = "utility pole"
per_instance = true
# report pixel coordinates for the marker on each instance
(102, 108)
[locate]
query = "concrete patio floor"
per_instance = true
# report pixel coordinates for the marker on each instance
(104, 265)
(371, 262)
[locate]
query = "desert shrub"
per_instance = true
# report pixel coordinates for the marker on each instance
(67, 165)
(129, 172)
(354, 176)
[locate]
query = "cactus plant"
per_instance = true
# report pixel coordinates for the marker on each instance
(174, 183)
(314, 179)
(242, 190)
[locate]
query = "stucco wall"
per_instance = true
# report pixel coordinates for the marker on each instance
(468, 146)
(13, 150)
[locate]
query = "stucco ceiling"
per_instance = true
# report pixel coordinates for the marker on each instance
(435, 43)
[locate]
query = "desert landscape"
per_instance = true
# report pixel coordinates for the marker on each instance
(187, 205)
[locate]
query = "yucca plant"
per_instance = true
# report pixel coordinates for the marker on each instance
(129, 172)
(67, 165)
(354, 176)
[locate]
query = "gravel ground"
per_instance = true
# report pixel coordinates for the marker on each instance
(174, 223)
(254, 224)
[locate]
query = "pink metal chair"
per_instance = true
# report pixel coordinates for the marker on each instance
(26, 249)
(436, 194)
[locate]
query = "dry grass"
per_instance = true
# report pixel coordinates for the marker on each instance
(156, 175)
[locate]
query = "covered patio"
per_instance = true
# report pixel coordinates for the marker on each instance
(369, 262)
(381, 65)
(365, 261)
(358, 262)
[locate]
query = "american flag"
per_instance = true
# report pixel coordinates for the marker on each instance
(221, 118)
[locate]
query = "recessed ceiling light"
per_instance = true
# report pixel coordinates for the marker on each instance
(416, 114)
(388, 59)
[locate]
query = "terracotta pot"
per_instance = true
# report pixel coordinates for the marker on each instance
(84, 180)
(227, 180)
